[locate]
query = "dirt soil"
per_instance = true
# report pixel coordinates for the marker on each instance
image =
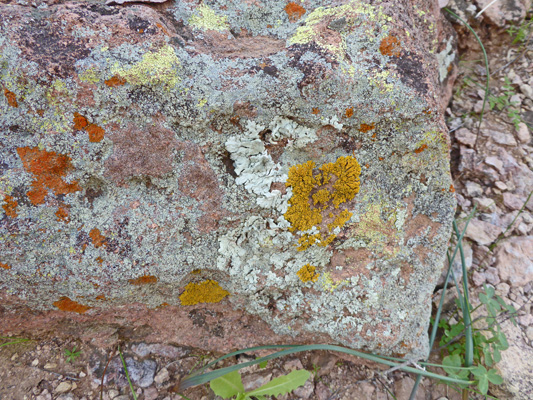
(492, 167)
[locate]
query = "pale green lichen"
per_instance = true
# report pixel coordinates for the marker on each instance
(91, 75)
(156, 68)
(206, 19)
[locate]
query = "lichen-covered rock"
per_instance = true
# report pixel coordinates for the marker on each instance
(285, 159)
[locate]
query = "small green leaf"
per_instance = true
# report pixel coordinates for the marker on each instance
(283, 384)
(263, 364)
(483, 384)
(228, 385)
(494, 377)
(479, 370)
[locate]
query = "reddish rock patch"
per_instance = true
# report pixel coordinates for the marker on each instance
(143, 280)
(49, 170)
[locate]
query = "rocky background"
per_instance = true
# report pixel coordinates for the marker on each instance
(492, 169)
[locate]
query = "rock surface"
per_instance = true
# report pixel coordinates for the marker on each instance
(290, 163)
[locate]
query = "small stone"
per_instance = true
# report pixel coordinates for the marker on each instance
(514, 260)
(503, 138)
(523, 228)
(473, 189)
(478, 278)
(63, 387)
(50, 366)
(512, 201)
(14, 357)
(35, 362)
(502, 289)
(526, 320)
(322, 392)
(292, 365)
(82, 374)
(482, 232)
(500, 185)
(305, 391)
(523, 133)
(527, 90)
(484, 204)
(150, 393)
(495, 162)
(466, 137)
(529, 332)
(112, 393)
(516, 100)
(162, 376)
(491, 274)
(123, 397)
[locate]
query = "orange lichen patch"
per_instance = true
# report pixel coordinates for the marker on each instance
(349, 112)
(196, 271)
(96, 133)
(308, 273)
(5, 266)
(421, 148)
(65, 304)
(294, 11)
(80, 122)
(143, 280)
(40, 112)
(315, 111)
(365, 127)
(10, 207)
(162, 28)
(452, 188)
(97, 238)
(208, 291)
(99, 260)
(62, 214)
(11, 98)
(116, 80)
(48, 168)
(316, 195)
(100, 297)
(390, 46)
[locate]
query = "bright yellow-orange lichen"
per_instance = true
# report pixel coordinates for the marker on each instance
(11, 98)
(97, 238)
(49, 169)
(390, 46)
(65, 304)
(315, 111)
(313, 194)
(308, 273)
(365, 127)
(62, 214)
(96, 133)
(294, 11)
(115, 80)
(5, 266)
(80, 122)
(143, 280)
(421, 148)
(208, 291)
(10, 207)
(349, 112)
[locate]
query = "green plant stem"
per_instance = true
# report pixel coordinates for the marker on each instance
(127, 375)
(486, 68)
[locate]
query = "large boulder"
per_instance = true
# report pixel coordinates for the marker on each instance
(286, 161)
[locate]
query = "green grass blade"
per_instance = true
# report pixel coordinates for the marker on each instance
(127, 375)
(441, 302)
(15, 341)
(200, 379)
(485, 97)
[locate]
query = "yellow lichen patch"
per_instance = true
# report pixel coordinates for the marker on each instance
(206, 19)
(156, 68)
(308, 273)
(208, 291)
(315, 197)
(347, 171)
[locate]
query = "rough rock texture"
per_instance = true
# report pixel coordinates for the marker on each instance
(288, 160)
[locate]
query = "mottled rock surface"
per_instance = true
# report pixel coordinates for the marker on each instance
(287, 161)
